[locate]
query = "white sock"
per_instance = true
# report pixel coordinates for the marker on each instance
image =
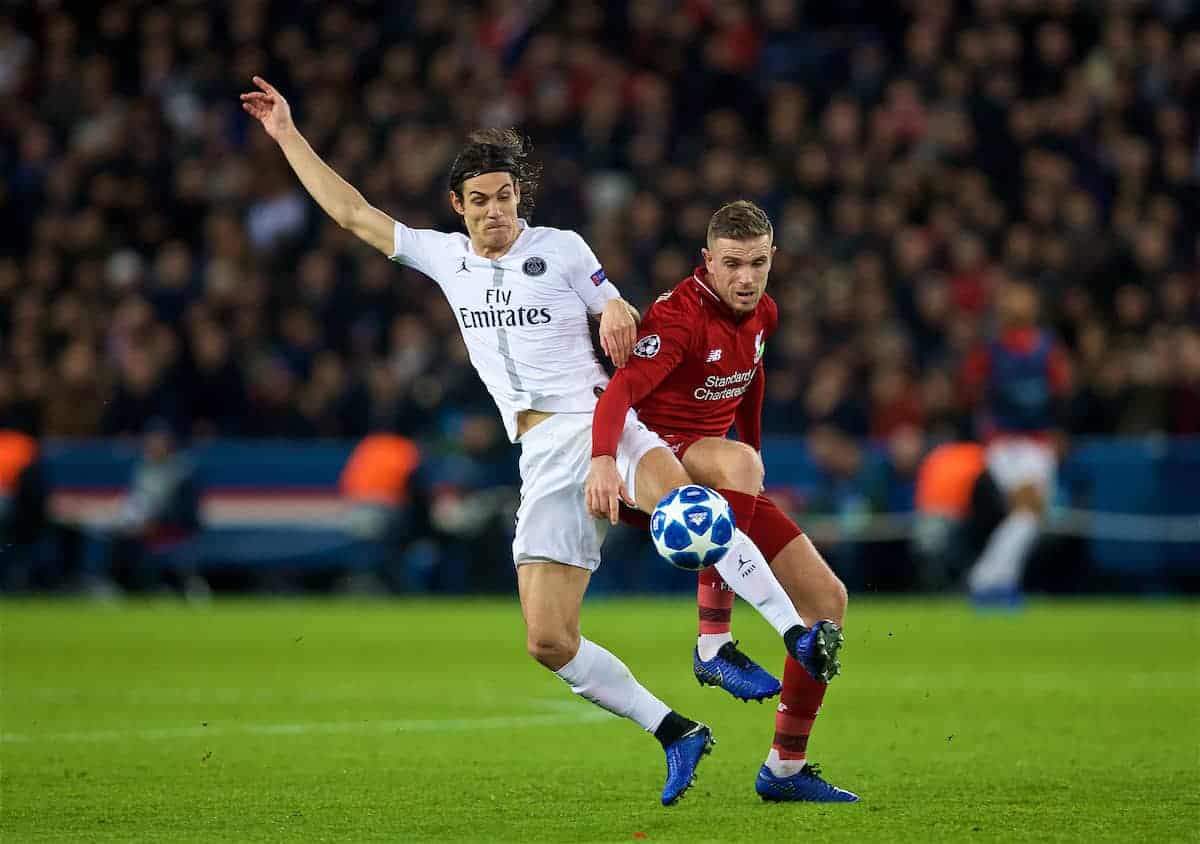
(709, 643)
(1002, 563)
(746, 571)
(784, 767)
(596, 675)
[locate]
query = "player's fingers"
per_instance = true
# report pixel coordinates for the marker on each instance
(620, 348)
(596, 506)
(264, 84)
(614, 508)
(615, 348)
(628, 336)
(626, 497)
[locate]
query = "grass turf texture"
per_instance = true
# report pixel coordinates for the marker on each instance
(419, 720)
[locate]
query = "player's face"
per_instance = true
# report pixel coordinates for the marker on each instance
(737, 270)
(1018, 306)
(488, 206)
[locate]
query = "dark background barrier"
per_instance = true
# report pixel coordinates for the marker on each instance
(1125, 519)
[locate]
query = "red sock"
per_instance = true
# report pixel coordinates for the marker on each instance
(715, 600)
(798, 707)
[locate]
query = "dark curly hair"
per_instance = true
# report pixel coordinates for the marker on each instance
(497, 151)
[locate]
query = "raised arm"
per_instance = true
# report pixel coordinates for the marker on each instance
(339, 199)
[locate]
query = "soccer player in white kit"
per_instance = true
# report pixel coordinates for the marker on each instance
(522, 296)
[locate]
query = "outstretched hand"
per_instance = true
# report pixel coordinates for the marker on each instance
(269, 108)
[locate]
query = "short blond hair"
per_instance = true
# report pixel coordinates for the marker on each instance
(741, 220)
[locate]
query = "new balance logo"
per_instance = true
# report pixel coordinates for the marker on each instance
(714, 356)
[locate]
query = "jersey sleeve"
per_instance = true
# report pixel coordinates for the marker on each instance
(748, 417)
(586, 276)
(418, 248)
(664, 339)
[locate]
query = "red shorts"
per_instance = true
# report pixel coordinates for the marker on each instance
(680, 443)
(771, 531)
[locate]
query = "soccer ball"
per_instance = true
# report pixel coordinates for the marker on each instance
(692, 527)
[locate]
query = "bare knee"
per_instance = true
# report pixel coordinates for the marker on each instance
(1028, 498)
(741, 469)
(553, 649)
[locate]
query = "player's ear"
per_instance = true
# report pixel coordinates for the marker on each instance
(456, 204)
(708, 258)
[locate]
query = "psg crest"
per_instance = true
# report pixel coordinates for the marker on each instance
(534, 266)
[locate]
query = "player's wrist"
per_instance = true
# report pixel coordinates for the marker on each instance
(288, 135)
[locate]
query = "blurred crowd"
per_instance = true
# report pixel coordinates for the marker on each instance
(160, 261)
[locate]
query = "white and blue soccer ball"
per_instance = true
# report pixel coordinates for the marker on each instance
(692, 527)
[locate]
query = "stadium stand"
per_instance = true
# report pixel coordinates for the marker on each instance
(160, 262)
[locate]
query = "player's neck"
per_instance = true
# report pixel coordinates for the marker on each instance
(493, 253)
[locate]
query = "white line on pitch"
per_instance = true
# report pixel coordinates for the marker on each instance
(431, 725)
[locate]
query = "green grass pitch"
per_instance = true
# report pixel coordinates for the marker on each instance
(425, 721)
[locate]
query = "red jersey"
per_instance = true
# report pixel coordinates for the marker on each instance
(696, 369)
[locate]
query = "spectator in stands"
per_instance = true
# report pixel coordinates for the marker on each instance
(159, 519)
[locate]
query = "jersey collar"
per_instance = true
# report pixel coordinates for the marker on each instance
(700, 277)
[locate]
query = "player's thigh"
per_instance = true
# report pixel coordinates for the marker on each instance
(552, 593)
(724, 464)
(552, 519)
(1018, 464)
(658, 472)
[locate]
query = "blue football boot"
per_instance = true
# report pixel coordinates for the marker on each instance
(817, 649)
(683, 757)
(804, 787)
(736, 673)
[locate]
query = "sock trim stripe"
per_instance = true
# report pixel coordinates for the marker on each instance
(785, 743)
(715, 614)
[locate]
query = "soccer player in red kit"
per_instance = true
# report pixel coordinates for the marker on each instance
(696, 372)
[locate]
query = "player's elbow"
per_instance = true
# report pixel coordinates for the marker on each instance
(351, 214)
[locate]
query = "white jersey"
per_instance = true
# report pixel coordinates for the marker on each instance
(524, 316)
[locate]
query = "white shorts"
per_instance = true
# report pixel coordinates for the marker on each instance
(552, 521)
(1014, 463)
